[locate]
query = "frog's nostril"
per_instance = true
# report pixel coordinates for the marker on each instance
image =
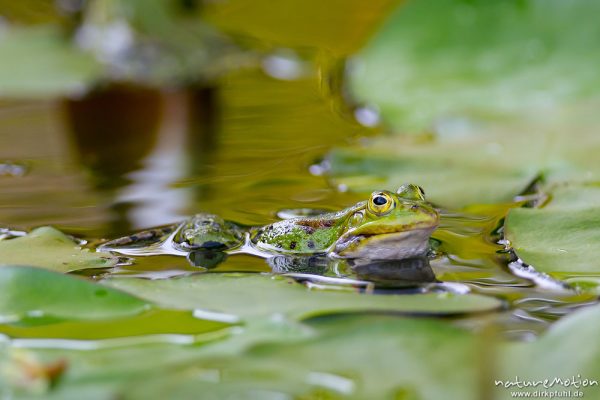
(414, 207)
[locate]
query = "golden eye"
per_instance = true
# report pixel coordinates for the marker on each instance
(380, 203)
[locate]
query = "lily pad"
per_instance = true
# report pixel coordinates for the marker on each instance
(252, 296)
(562, 237)
(569, 351)
(452, 174)
(479, 58)
(40, 61)
(356, 357)
(155, 322)
(350, 357)
(49, 248)
(487, 87)
(27, 291)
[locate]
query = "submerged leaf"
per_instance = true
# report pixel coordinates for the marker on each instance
(49, 248)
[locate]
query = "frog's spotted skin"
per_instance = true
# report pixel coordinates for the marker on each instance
(387, 226)
(302, 235)
(207, 232)
(202, 232)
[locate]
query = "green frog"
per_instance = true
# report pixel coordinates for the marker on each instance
(387, 226)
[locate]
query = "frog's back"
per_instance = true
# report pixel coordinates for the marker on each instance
(302, 235)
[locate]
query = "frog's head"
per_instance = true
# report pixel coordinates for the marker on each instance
(389, 226)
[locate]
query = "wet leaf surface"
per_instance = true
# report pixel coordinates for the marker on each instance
(49, 248)
(334, 361)
(259, 296)
(496, 107)
(402, 356)
(36, 303)
(484, 59)
(568, 351)
(562, 237)
(35, 292)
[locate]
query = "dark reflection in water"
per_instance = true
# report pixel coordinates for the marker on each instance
(113, 129)
(126, 137)
(206, 258)
(203, 125)
(395, 273)
(409, 272)
(317, 265)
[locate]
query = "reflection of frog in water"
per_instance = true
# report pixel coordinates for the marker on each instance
(388, 226)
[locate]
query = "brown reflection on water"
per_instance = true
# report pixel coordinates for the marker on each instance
(239, 145)
(125, 158)
(112, 130)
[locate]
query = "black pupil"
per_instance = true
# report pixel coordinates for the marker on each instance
(379, 200)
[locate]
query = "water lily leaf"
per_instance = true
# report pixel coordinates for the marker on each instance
(35, 292)
(355, 357)
(487, 84)
(577, 362)
(155, 322)
(39, 61)
(448, 179)
(350, 357)
(562, 237)
(49, 248)
(252, 296)
(481, 58)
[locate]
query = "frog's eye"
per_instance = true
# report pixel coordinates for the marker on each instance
(380, 203)
(411, 192)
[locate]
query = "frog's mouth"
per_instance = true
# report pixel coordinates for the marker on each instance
(385, 246)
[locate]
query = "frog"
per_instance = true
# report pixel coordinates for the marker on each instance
(387, 226)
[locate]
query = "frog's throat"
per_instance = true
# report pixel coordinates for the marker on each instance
(386, 246)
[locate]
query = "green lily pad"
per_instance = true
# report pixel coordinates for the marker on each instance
(252, 296)
(356, 357)
(390, 162)
(154, 322)
(489, 85)
(35, 292)
(40, 61)
(562, 237)
(350, 357)
(49, 248)
(479, 58)
(568, 351)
